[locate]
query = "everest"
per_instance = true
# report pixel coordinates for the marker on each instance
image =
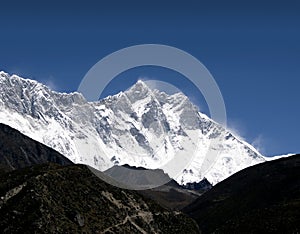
(139, 127)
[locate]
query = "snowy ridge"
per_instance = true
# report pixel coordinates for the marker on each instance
(278, 157)
(139, 127)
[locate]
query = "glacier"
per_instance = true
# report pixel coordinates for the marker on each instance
(139, 127)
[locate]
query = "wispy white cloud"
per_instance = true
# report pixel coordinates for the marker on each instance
(259, 143)
(49, 82)
(237, 128)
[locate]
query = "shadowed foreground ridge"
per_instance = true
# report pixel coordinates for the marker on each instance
(71, 199)
(19, 151)
(170, 195)
(261, 199)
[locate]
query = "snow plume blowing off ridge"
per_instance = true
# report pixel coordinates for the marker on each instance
(139, 127)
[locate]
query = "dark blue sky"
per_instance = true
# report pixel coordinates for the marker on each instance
(252, 50)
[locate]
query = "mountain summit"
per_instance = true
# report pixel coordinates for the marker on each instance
(139, 127)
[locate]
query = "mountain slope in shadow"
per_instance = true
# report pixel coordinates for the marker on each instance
(170, 194)
(261, 199)
(19, 151)
(71, 199)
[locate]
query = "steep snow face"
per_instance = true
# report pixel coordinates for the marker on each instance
(139, 127)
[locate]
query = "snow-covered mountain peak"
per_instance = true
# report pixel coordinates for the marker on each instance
(139, 127)
(17, 80)
(172, 99)
(138, 91)
(3, 74)
(140, 83)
